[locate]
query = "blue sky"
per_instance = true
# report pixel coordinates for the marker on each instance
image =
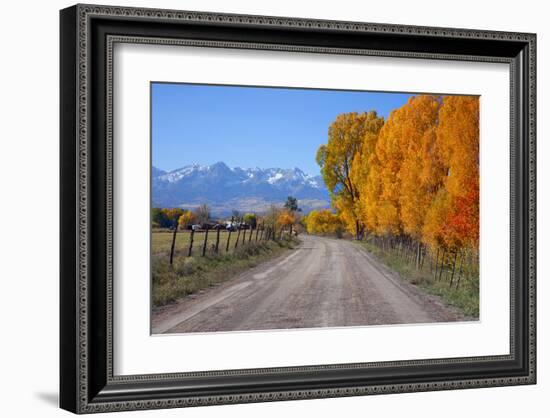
(250, 126)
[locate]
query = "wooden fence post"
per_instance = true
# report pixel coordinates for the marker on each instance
(418, 255)
(238, 236)
(173, 247)
(205, 241)
(257, 230)
(217, 239)
(400, 247)
(244, 235)
(436, 263)
(191, 243)
(454, 266)
(228, 239)
(460, 269)
(442, 262)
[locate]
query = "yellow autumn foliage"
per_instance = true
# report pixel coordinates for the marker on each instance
(186, 219)
(415, 175)
(349, 136)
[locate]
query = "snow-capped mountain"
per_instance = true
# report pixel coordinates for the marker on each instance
(225, 189)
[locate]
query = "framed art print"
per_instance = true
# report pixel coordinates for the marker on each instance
(262, 208)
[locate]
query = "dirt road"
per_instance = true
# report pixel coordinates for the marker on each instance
(323, 283)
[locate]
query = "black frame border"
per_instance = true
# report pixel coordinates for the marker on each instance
(87, 35)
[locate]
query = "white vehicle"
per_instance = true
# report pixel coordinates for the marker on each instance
(195, 227)
(231, 226)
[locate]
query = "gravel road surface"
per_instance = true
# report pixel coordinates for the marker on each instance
(322, 283)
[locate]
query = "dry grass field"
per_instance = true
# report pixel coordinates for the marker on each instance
(190, 274)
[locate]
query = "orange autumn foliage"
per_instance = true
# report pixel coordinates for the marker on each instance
(405, 170)
(415, 175)
(286, 218)
(421, 171)
(458, 144)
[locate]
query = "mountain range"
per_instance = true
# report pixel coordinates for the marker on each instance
(225, 189)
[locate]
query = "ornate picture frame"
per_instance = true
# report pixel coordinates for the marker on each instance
(88, 34)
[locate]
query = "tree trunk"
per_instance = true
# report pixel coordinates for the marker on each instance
(205, 242)
(173, 247)
(191, 243)
(360, 231)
